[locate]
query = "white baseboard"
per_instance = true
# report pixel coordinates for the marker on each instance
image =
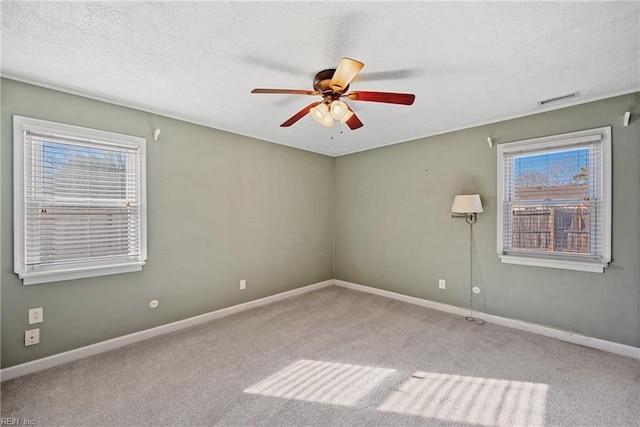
(572, 337)
(90, 350)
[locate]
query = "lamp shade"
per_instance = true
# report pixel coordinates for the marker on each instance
(467, 203)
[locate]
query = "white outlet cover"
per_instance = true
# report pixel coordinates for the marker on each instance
(35, 315)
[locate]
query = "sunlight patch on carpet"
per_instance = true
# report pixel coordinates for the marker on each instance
(480, 401)
(323, 382)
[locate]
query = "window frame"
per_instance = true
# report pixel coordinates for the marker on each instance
(83, 269)
(548, 144)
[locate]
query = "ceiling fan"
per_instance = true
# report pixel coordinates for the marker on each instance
(333, 84)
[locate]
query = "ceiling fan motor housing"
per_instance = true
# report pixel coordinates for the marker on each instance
(322, 85)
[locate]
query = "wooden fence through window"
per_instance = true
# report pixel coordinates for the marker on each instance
(552, 229)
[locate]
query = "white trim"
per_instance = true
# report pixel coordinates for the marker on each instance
(568, 336)
(404, 298)
(90, 350)
(540, 110)
(589, 267)
(151, 110)
(545, 144)
(101, 347)
(80, 133)
(34, 278)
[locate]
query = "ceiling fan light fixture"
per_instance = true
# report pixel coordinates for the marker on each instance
(320, 113)
(327, 121)
(338, 110)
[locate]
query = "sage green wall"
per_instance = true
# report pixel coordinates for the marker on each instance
(393, 228)
(221, 207)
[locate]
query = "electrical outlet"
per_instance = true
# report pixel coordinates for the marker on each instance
(31, 337)
(35, 315)
(243, 284)
(442, 284)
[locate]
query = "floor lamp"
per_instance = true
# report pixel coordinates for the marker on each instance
(467, 206)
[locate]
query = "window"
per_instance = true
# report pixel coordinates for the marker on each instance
(79, 202)
(554, 201)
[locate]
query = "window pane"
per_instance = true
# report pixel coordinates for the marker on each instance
(70, 233)
(73, 171)
(563, 228)
(561, 175)
(82, 202)
(551, 202)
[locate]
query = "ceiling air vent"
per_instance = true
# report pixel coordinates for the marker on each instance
(558, 99)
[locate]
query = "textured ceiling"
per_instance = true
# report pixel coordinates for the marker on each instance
(467, 63)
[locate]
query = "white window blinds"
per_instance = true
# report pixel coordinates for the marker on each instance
(82, 202)
(554, 196)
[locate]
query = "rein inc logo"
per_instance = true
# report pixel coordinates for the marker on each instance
(17, 422)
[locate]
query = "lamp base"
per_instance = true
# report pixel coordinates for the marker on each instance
(474, 320)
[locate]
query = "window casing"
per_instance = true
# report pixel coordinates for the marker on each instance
(554, 201)
(79, 202)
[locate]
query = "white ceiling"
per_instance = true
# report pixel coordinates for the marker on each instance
(467, 63)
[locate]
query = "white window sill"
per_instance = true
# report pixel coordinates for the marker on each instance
(33, 278)
(588, 266)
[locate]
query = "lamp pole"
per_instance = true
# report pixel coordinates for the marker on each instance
(471, 219)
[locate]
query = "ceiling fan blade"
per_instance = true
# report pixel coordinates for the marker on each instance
(388, 97)
(354, 122)
(300, 114)
(347, 70)
(286, 91)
